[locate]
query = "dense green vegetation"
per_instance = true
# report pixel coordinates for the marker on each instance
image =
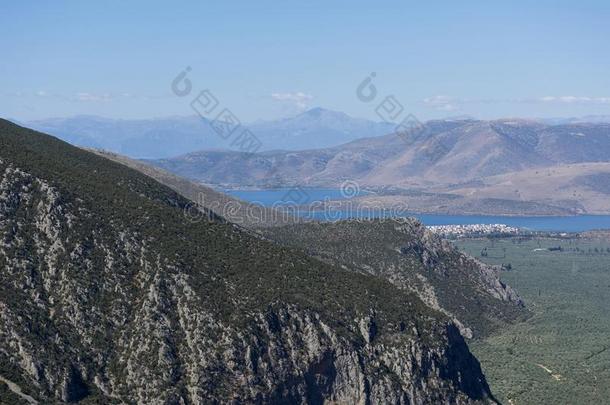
(234, 210)
(115, 194)
(562, 354)
(234, 275)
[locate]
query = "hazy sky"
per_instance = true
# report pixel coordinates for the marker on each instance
(266, 59)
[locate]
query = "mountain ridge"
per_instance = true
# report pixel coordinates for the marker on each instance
(437, 160)
(109, 294)
(409, 256)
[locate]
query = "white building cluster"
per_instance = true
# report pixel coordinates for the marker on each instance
(473, 229)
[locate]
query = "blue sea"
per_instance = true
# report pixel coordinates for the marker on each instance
(304, 196)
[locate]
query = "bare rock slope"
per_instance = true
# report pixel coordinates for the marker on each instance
(108, 293)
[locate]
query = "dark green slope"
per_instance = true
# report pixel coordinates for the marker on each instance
(108, 291)
(234, 210)
(412, 258)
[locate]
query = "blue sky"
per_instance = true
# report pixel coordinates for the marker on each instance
(266, 59)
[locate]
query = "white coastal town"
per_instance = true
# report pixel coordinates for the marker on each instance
(473, 229)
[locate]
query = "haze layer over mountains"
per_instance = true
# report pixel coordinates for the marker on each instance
(173, 136)
(508, 166)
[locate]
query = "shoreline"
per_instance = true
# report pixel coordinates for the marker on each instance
(372, 200)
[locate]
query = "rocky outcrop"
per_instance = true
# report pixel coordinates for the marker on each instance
(405, 253)
(107, 293)
(440, 256)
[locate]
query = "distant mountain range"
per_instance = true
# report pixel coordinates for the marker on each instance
(599, 119)
(459, 157)
(173, 136)
(460, 165)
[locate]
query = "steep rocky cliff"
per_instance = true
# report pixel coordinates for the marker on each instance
(412, 258)
(109, 294)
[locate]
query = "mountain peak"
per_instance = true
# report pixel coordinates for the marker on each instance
(317, 112)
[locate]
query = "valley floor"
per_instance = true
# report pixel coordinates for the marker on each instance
(562, 354)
